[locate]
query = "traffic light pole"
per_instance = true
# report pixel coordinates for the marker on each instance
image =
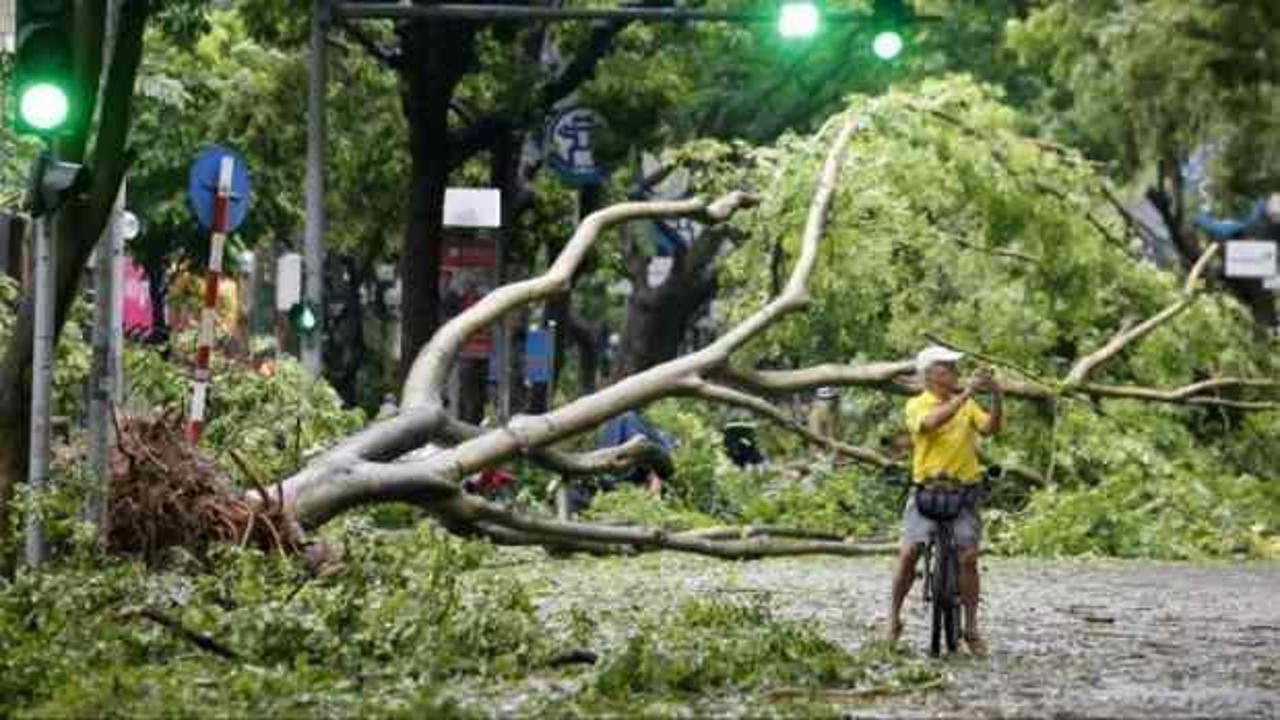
(313, 232)
(41, 389)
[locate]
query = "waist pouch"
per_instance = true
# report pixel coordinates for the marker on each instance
(941, 504)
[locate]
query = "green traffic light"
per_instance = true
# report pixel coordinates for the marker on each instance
(798, 20)
(304, 319)
(44, 106)
(887, 45)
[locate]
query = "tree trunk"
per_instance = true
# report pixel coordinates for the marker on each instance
(587, 338)
(344, 346)
(436, 55)
(658, 319)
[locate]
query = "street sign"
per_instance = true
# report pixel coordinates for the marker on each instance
(538, 355)
(1272, 283)
(288, 281)
(468, 272)
(203, 187)
(1251, 259)
(569, 145)
(137, 313)
(473, 207)
(660, 269)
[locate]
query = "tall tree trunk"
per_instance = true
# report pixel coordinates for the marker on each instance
(587, 337)
(436, 55)
(658, 319)
(344, 344)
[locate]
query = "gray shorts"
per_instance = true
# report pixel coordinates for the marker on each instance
(917, 528)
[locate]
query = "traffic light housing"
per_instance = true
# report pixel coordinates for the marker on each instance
(891, 19)
(43, 99)
(52, 183)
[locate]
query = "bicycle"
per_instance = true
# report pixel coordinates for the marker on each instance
(941, 555)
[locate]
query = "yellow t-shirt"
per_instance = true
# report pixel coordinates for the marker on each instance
(950, 450)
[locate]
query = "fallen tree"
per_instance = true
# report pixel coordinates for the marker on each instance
(379, 464)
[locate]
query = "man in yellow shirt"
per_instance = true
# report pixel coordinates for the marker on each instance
(945, 422)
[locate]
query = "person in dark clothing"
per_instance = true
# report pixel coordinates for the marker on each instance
(740, 444)
(629, 424)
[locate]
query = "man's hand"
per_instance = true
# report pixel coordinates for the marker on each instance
(984, 381)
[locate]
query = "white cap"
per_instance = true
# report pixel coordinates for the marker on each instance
(935, 354)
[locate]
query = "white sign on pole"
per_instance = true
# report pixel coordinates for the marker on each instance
(473, 207)
(1272, 283)
(660, 269)
(1251, 259)
(288, 281)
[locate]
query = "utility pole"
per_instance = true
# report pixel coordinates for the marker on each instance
(106, 376)
(41, 388)
(313, 233)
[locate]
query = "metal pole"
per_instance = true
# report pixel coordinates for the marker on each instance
(105, 377)
(502, 340)
(209, 312)
(41, 387)
(313, 234)
(404, 10)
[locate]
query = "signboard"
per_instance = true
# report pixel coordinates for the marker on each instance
(203, 186)
(137, 314)
(288, 281)
(1272, 283)
(473, 207)
(660, 269)
(468, 271)
(569, 143)
(539, 348)
(1251, 259)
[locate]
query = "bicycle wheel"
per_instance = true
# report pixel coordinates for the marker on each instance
(946, 596)
(938, 592)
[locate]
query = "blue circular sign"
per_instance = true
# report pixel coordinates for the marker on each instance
(570, 144)
(203, 187)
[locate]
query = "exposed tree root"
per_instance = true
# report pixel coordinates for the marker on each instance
(165, 493)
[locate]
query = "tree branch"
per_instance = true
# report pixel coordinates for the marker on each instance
(477, 510)
(431, 367)
(1086, 365)
(606, 460)
(729, 396)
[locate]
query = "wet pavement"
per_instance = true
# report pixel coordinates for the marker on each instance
(1067, 638)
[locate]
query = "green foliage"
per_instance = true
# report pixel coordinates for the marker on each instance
(708, 646)
(949, 221)
(384, 634)
(272, 422)
(1147, 81)
(1144, 495)
(73, 352)
(708, 489)
(638, 506)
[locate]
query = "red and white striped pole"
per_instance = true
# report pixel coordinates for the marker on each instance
(209, 314)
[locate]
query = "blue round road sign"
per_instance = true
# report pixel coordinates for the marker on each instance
(204, 186)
